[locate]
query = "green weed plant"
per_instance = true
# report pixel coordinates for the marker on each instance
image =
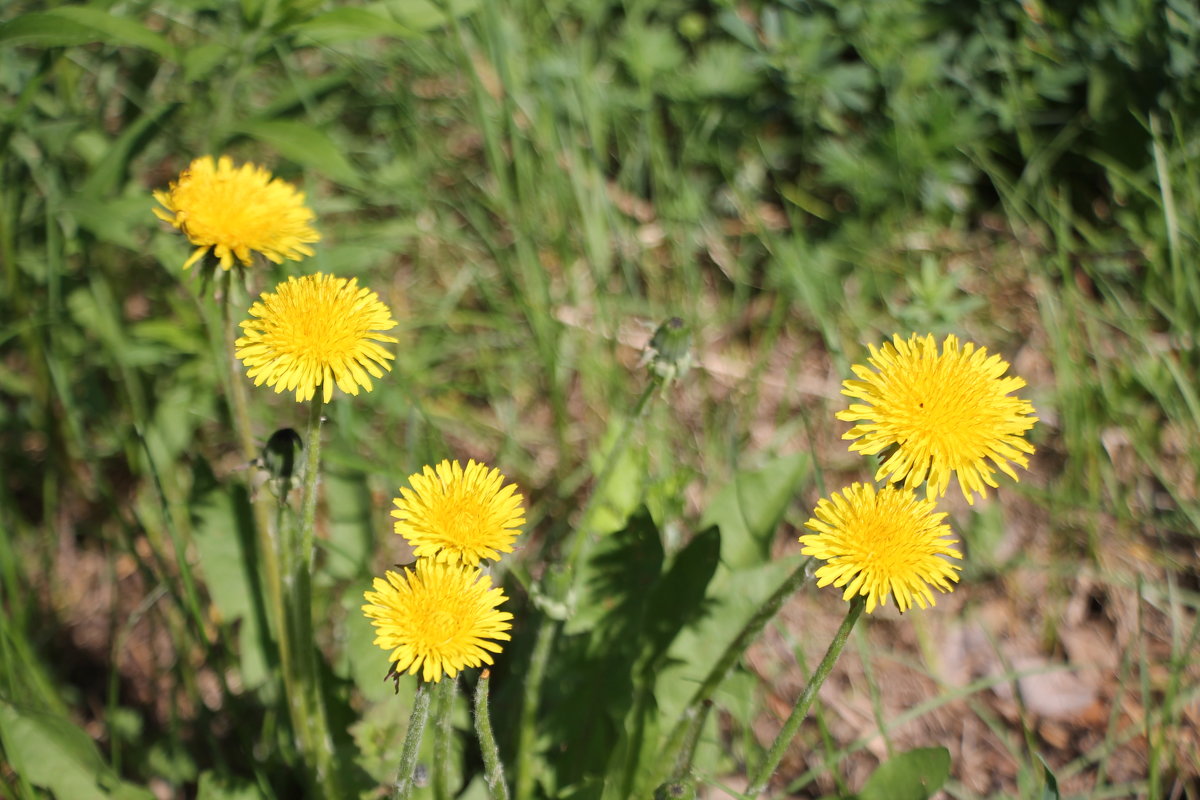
(532, 189)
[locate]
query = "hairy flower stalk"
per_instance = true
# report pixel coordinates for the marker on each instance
(493, 768)
(406, 777)
(312, 333)
(774, 755)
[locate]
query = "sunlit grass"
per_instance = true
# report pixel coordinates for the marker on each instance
(531, 190)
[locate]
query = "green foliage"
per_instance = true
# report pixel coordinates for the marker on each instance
(914, 775)
(47, 750)
(533, 187)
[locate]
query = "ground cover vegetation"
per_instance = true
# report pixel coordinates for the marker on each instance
(526, 373)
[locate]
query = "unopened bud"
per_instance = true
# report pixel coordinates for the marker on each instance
(669, 353)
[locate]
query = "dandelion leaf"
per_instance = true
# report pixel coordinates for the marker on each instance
(50, 751)
(913, 775)
(748, 509)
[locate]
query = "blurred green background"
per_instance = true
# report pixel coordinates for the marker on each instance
(532, 188)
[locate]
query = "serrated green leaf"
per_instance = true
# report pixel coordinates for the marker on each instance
(617, 579)
(749, 508)
(73, 25)
(350, 24)
(305, 145)
(678, 599)
(914, 775)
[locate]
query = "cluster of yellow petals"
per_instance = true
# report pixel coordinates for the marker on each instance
(880, 544)
(317, 331)
(437, 618)
(932, 415)
(948, 413)
(313, 331)
(237, 211)
(457, 515)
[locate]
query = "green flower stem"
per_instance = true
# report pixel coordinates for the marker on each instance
(493, 768)
(584, 532)
(442, 736)
(527, 737)
(319, 740)
(788, 732)
(691, 721)
(261, 503)
(240, 409)
(412, 742)
(312, 468)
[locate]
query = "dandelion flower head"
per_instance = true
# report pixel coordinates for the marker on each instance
(881, 544)
(235, 211)
(944, 413)
(313, 331)
(459, 515)
(437, 618)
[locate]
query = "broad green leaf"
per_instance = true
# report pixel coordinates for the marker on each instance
(224, 541)
(303, 144)
(51, 752)
(350, 24)
(748, 510)
(78, 24)
(351, 536)
(732, 598)
(623, 482)
(115, 220)
(914, 775)
(650, 50)
(202, 59)
(621, 571)
(359, 658)
(678, 599)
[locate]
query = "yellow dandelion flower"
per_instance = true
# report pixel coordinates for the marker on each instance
(947, 413)
(458, 515)
(437, 618)
(313, 331)
(235, 211)
(881, 544)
